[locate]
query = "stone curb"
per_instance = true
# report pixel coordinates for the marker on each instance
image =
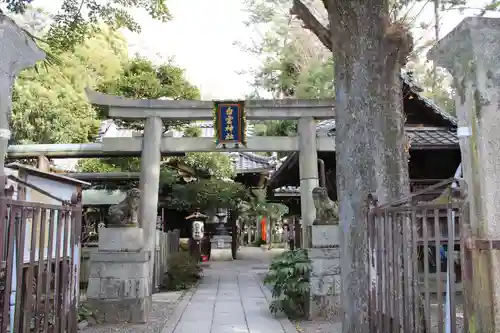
(176, 316)
(285, 323)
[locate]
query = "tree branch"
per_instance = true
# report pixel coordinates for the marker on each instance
(311, 23)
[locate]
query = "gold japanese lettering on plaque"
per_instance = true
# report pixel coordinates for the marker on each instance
(229, 125)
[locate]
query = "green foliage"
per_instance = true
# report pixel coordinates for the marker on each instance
(140, 78)
(74, 21)
(256, 205)
(277, 128)
(143, 79)
(288, 278)
(494, 5)
(50, 106)
(192, 132)
(207, 193)
(168, 177)
(84, 313)
(110, 164)
(277, 210)
(212, 164)
(293, 64)
(182, 273)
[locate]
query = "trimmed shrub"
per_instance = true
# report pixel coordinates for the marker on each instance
(183, 271)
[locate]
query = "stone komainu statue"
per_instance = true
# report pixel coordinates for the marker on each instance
(126, 212)
(327, 211)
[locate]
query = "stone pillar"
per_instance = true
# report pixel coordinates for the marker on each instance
(471, 53)
(324, 282)
(19, 51)
(149, 185)
(308, 164)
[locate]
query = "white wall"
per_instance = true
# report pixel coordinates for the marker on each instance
(61, 190)
(58, 189)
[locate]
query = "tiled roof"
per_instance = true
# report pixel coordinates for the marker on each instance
(431, 136)
(250, 162)
(417, 91)
(420, 136)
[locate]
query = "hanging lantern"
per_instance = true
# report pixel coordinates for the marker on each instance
(198, 230)
(198, 227)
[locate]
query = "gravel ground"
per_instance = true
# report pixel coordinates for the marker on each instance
(316, 326)
(332, 327)
(163, 306)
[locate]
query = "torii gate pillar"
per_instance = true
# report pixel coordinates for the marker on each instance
(308, 170)
(149, 185)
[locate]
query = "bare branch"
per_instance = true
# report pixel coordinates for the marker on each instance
(311, 23)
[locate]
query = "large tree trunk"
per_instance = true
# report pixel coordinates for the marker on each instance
(370, 140)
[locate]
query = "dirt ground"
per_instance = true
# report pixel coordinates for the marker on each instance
(163, 306)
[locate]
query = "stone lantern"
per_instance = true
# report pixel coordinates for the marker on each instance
(221, 239)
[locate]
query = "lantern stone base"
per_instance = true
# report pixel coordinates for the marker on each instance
(221, 242)
(324, 280)
(119, 287)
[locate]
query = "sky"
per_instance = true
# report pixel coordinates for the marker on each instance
(201, 39)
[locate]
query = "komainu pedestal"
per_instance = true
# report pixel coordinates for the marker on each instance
(324, 281)
(119, 282)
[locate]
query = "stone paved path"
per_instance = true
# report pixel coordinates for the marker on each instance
(231, 299)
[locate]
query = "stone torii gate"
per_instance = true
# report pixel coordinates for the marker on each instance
(152, 144)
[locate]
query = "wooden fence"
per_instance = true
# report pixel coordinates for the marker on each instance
(39, 261)
(414, 250)
(166, 244)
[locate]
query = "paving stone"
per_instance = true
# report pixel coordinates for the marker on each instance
(230, 329)
(229, 299)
